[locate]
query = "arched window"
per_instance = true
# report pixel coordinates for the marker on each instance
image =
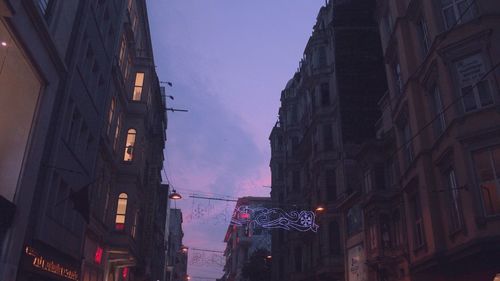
(121, 211)
(129, 145)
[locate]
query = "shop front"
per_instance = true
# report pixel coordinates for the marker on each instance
(42, 263)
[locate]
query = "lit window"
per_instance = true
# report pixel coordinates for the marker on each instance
(487, 165)
(129, 145)
(121, 211)
(139, 82)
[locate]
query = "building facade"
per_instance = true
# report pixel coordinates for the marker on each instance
(177, 258)
(328, 109)
(441, 222)
(83, 185)
(243, 240)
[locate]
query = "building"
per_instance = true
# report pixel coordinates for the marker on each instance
(243, 240)
(177, 259)
(82, 192)
(328, 109)
(442, 120)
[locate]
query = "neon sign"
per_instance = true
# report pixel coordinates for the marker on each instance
(51, 266)
(125, 272)
(302, 221)
(98, 255)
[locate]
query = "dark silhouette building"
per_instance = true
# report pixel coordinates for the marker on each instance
(328, 109)
(81, 199)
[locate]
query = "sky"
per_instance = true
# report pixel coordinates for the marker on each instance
(228, 61)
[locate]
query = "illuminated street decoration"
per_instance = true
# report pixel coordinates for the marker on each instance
(199, 258)
(45, 264)
(274, 218)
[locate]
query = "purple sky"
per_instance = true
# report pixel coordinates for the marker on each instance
(228, 61)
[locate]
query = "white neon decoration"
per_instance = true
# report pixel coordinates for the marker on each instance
(302, 220)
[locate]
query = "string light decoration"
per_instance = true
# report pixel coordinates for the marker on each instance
(253, 216)
(208, 258)
(205, 259)
(302, 220)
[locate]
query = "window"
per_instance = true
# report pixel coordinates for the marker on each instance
(331, 185)
(321, 57)
(111, 114)
(121, 211)
(388, 24)
(75, 126)
(354, 223)
(385, 231)
(457, 11)
(134, 226)
(45, 7)
(123, 51)
(334, 231)
(475, 93)
(437, 106)
(325, 94)
(407, 143)
(456, 221)
(424, 35)
(418, 224)
(487, 166)
(117, 131)
(367, 180)
(129, 145)
(139, 82)
(398, 81)
(372, 236)
(396, 225)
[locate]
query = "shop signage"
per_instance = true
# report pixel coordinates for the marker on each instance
(48, 265)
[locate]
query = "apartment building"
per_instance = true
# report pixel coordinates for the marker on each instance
(244, 240)
(83, 186)
(442, 63)
(328, 109)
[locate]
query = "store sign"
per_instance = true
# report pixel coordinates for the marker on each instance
(46, 264)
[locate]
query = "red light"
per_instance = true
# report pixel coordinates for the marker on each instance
(125, 272)
(245, 216)
(119, 226)
(98, 255)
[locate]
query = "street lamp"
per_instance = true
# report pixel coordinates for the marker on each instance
(174, 195)
(320, 209)
(184, 249)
